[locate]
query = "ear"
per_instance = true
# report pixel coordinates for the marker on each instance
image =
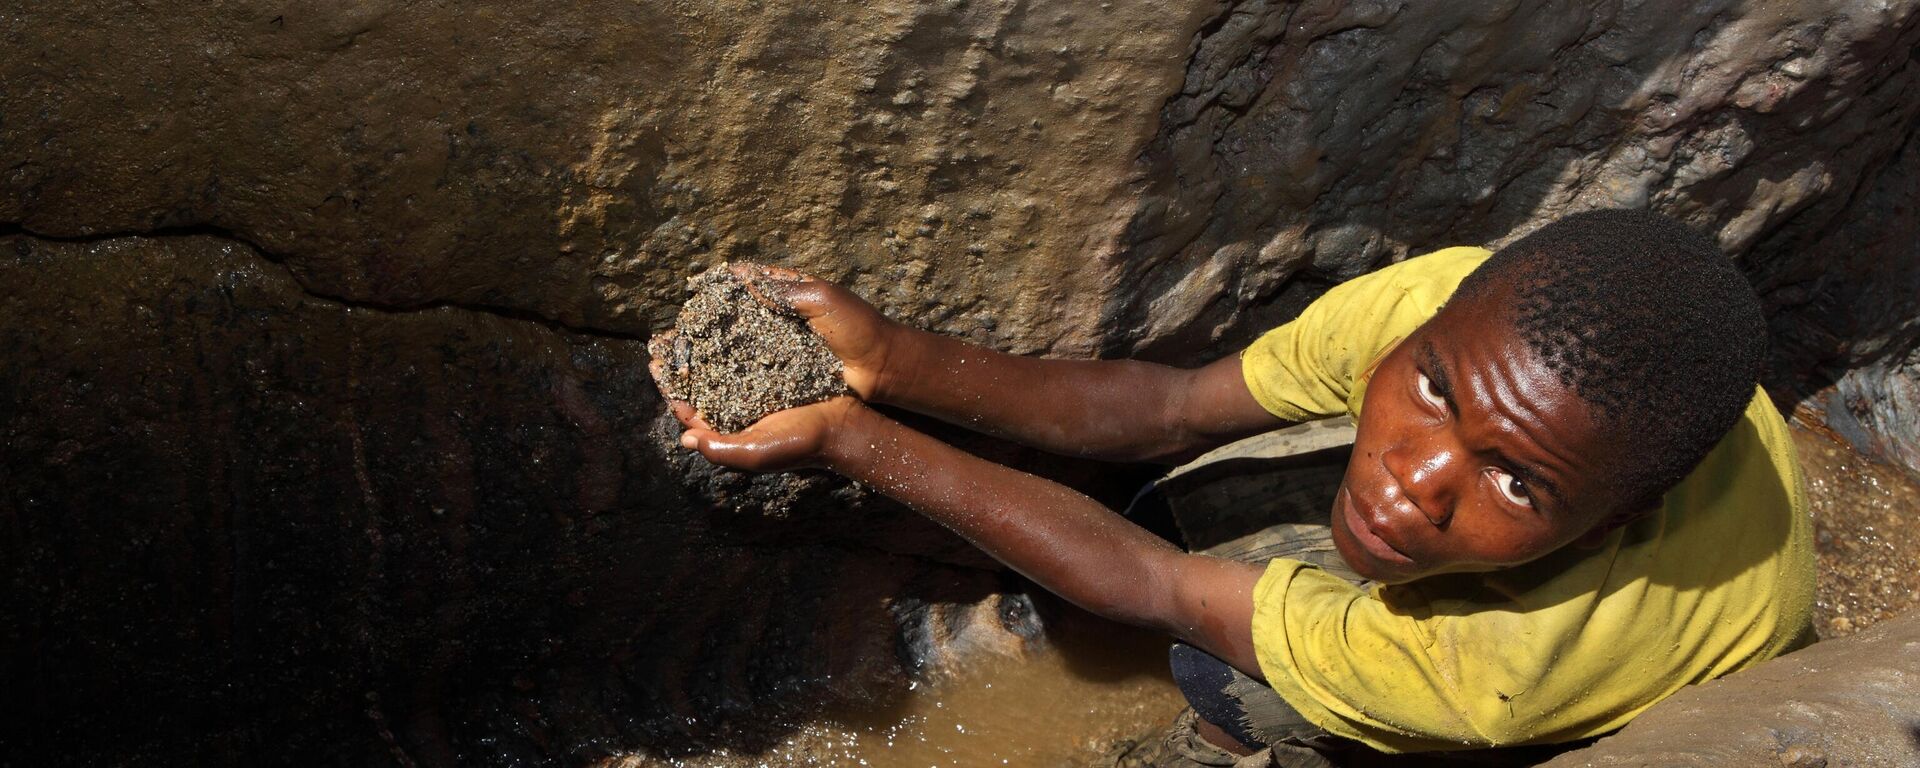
(1593, 538)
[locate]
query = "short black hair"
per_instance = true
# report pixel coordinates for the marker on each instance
(1647, 321)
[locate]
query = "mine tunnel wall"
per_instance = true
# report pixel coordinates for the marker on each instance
(327, 423)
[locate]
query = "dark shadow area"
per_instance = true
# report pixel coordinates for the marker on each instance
(245, 521)
(1846, 319)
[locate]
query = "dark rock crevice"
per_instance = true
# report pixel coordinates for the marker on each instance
(280, 260)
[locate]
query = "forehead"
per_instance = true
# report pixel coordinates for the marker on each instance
(1509, 401)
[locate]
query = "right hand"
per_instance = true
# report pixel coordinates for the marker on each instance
(858, 334)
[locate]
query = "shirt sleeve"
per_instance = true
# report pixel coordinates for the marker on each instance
(1355, 667)
(1315, 366)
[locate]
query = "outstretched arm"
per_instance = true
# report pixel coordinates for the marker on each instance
(1060, 539)
(1122, 410)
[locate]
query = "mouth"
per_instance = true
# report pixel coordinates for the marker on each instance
(1361, 526)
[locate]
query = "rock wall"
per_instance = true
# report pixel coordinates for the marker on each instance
(320, 369)
(575, 163)
(1847, 335)
(1316, 140)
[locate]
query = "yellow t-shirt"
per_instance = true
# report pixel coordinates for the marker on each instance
(1574, 644)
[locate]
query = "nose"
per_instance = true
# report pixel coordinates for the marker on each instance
(1425, 470)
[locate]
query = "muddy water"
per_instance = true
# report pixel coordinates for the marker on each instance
(1867, 520)
(1093, 685)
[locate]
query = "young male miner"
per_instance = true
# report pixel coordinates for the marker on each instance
(1567, 498)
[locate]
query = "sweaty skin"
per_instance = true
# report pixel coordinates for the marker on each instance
(1471, 455)
(1416, 499)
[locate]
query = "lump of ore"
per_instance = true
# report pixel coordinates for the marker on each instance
(737, 360)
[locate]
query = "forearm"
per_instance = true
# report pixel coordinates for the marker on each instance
(1116, 410)
(1062, 540)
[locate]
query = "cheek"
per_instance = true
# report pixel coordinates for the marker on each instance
(1500, 538)
(1373, 433)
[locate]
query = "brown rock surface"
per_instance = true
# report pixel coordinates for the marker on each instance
(1124, 177)
(1847, 335)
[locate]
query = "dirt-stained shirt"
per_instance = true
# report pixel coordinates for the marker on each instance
(1574, 644)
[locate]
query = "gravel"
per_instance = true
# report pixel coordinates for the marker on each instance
(736, 359)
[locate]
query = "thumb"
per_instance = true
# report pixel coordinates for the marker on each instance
(709, 445)
(783, 290)
(751, 449)
(809, 298)
(707, 442)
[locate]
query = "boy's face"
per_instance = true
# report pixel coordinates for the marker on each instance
(1471, 455)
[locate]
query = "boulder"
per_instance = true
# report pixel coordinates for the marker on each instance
(1851, 701)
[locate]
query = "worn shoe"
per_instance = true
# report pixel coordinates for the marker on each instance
(1180, 747)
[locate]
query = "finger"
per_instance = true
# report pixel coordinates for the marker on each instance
(755, 449)
(807, 299)
(688, 415)
(695, 438)
(738, 450)
(749, 271)
(777, 288)
(682, 410)
(658, 368)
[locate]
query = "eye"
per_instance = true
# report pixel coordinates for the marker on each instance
(1513, 488)
(1431, 393)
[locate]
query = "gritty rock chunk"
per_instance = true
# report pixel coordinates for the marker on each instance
(737, 359)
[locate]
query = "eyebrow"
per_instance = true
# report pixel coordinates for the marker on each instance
(1436, 372)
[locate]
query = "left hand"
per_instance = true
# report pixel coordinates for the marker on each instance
(783, 440)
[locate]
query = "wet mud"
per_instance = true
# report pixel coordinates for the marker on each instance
(1093, 685)
(737, 359)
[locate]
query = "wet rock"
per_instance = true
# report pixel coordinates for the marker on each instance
(1325, 139)
(1125, 178)
(577, 163)
(1847, 328)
